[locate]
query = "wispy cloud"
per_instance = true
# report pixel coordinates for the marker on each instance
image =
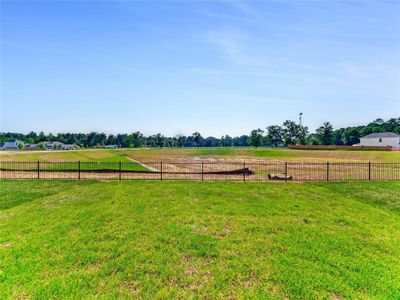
(231, 45)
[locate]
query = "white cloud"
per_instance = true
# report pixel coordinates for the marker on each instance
(231, 44)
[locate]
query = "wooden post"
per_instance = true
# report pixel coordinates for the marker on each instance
(327, 171)
(38, 170)
(285, 171)
(244, 171)
(79, 170)
(202, 171)
(369, 170)
(161, 171)
(119, 171)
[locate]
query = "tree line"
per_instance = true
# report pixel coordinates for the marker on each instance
(274, 136)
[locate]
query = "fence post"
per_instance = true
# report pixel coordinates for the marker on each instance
(161, 170)
(38, 170)
(286, 171)
(119, 171)
(244, 171)
(79, 170)
(327, 171)
(202, 171)
(369, 170)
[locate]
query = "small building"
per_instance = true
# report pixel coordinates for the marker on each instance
(69, 147)
(56, 145)
(111, 146)
(52, 145)
(11, 145)
(381, 139)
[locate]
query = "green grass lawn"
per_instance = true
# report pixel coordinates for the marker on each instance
(91, 159)
(90, 155)
(70, 239)
(74, 166)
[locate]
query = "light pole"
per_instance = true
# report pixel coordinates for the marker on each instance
(300, 115)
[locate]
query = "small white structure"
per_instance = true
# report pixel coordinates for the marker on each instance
(380, 139)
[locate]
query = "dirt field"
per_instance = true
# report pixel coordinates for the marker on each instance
(236, 154)
(231, 154)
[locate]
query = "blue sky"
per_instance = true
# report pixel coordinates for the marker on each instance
(176, 67)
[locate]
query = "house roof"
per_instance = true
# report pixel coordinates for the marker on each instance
(8, 145)
(381, 135)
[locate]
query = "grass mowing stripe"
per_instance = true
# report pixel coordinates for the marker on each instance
(188, 239)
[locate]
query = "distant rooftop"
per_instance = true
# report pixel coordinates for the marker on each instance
(381, 135)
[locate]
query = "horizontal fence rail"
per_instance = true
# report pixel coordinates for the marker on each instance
(202, 171)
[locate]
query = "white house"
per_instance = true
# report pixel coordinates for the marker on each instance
(380, 139)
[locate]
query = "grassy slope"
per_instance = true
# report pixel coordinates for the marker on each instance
(189, 153)
(104, 155)
(90, 160)
(174, 239)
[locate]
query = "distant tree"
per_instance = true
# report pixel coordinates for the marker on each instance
(302, 138)
(313, 139)
(226, 141)
(291, 133)
(392, 125)
(137, 139)
(241, 140)
(110, 140)
(197, 139)
(32, 137)
(351, 136)
(20, 146)
(180, 140)
(41, 146)
(255, 138)
(42, 136)
(338, 137)
(325, 134)
(211, 142)
(159, 140)
(274, 135)
(294, 134)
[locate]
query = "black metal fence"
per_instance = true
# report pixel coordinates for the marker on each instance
(202, 171)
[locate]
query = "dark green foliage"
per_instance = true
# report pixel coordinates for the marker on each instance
(256, 137)
(289, 133)
(274, 135)
(294, 134)
(325, 134)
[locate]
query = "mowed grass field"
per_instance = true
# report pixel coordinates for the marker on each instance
(207, 154)
(91, 159)
(70, 239)
(91, 155)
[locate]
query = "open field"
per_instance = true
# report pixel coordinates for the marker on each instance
(249, 164)
(259, 155)
(74, 239)
(203, 154)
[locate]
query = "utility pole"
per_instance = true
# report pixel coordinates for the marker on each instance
(300, 118)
